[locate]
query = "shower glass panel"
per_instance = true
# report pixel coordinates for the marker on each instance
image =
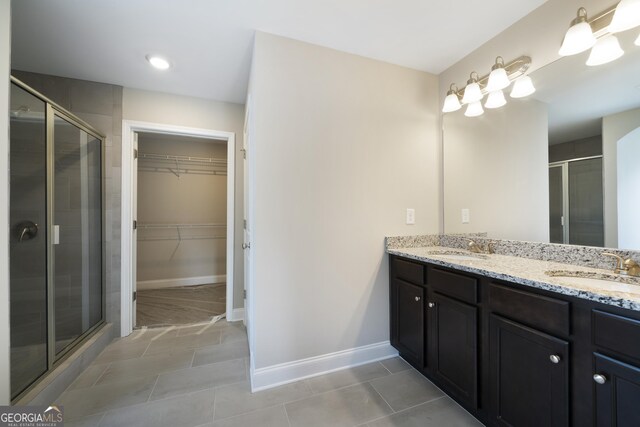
(78, 228)
(556, 205)
(586, 203)
(28, 238)
(56, 235)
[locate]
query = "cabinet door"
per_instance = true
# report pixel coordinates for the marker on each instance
(410, 321)
(453, 347)
(529, 376)
(617, 393)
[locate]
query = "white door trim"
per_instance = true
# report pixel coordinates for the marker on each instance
(128, 129)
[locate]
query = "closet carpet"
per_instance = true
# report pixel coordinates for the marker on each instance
(180, 305)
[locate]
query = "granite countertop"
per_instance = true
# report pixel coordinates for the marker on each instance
(622, 291)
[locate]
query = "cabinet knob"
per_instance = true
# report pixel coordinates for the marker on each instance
(432, 304)
(554, 358)
(417, 298)
(599, 378)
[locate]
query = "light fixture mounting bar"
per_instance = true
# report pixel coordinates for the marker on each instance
(516, 68)
(600, 22)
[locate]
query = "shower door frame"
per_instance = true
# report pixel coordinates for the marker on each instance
(52, 110)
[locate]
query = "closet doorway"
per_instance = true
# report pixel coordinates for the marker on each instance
(180, 261)
(181, 214)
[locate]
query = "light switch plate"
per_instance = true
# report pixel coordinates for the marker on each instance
(411, 216)
(465, 216)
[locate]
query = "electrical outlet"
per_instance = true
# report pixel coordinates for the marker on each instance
(411, 216)
(465, 216)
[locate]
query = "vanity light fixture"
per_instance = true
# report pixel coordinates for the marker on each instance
(579, 37)
(637, 42)
(474, 109)
(158, 62)
(607, 49)
(452, 101)
(472, 92)
(626, 16)
(495, 99)
(522, 87)
(498, 78)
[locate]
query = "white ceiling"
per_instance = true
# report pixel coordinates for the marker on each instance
(210, 41)
(579, 96)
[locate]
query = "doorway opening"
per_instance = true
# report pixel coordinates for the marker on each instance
(178, 255)
(181, 209)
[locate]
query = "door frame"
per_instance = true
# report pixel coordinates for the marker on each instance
(129, 127)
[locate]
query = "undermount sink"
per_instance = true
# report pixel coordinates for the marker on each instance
(601, 281)
(458, 255)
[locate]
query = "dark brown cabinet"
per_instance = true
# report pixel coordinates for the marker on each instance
(617, 390)
(453, 346)
(529, 376)
(515, 355)
(409, 322)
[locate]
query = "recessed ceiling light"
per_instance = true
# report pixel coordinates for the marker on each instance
(158, 62)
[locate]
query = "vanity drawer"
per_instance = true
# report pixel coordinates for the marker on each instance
(617, 333)
(456, 285)
(408, 271)
(549, 314)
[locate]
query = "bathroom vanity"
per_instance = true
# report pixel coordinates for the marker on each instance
(514, 345)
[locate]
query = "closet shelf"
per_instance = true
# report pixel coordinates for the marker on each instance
(153, 162)
(180, 238)
(171, 226)
(191, 159)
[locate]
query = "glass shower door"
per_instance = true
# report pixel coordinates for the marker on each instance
(28, 239)
(77, 219)
(57, 235)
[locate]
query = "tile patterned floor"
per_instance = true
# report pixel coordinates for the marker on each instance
(197, 376)
(180, 305)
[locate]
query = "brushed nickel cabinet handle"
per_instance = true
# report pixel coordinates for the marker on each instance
(554, 358)
(599, 378)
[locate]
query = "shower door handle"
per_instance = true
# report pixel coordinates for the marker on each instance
(27, 230)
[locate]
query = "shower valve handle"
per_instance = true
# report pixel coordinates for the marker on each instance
(27, 230)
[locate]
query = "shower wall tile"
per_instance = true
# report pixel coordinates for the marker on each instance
(91, 97)
(54, 88)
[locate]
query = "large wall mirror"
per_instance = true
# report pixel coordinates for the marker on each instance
(561, 166)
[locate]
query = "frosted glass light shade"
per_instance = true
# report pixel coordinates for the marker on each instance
(495, 99)
(498, 80)
(474, 109)
(626, 16)
(579, 37)
(472, 93)
(451, 103)
(637, 42)
(607, 49)
(522, 87)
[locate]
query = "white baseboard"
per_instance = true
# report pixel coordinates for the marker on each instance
(236, 316)
(273, 376)
(181, 281)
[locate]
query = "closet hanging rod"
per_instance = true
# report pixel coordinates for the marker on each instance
(140, 239)
(170, 226)
(168, 157)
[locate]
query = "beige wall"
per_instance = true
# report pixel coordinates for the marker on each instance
(191, 198)
(156, 107)
(343, 145)
(5, 67)
(496, 166)
(614, 127)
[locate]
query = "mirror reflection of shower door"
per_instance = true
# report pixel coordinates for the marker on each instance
(576, 201)
(556, 204)
(28, 239)
(78, 229)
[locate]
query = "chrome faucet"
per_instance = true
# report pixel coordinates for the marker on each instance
(473, 246)
(626, 267)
